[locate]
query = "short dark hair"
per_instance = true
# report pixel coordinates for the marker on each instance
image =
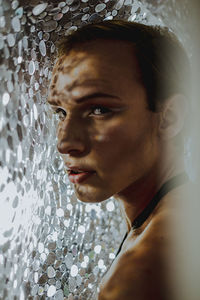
(164, 64)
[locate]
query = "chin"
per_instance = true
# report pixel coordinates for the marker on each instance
(88, 195)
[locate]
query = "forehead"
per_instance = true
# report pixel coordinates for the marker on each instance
(111, 62)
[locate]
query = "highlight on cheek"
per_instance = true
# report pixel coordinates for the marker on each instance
(101, 137)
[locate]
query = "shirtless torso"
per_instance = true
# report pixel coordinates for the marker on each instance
(145, 267)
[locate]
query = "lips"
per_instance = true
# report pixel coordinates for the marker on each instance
(78, 174)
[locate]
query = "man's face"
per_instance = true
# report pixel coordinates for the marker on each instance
(105, 124)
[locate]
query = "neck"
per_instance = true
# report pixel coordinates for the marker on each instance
(136, 196)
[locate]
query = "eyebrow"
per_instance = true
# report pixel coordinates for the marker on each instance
(86, 98)
(89, 81)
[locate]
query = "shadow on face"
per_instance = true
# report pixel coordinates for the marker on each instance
(105, 125)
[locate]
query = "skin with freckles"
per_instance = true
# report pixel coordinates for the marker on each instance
(105, 126)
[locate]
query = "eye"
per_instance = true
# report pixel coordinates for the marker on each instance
(99, 110)
(60, 113)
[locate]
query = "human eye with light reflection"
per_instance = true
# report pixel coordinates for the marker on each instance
(100, 111)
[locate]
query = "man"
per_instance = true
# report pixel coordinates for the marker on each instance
(119, 89)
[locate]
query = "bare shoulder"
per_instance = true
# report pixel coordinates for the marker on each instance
(141, 269)
(138, 271)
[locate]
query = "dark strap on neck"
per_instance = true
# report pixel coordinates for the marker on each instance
(166, 187)
(169, 185)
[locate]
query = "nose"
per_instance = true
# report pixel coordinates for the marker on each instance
(71, 137)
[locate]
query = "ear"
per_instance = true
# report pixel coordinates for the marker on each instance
(172, 116)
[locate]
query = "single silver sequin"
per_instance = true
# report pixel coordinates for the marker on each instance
(49, 25)
(78, 279)
(38, 9)
(74, 270)
(51, 272)
(58, 17)
(30, 92)
(36, 86)
(71, 29)
(42, 15)
(52, 245)
(46, 36)
(58, 284)
(51, 291)
(51, 258)
(10, 86)
(25, 42)
(15, 4)
(34, 290)
(128, 2)
(100, 7)
(108, 18)
(75, 6)
(33, 54)
(26, 120)
(59, 294)
(23, 20)
(53, 47)
(1, 41)
(58, 28)
(61, 4)
(15, 202)
(35, 112)
(40, 247)
(114, 12)
(65, 9)
(85, 17)
(69, 260)
(2, 22)
(40, 291)
(119, 4)
(86, 9)
(43, 279)
(32, 29)
(11, 39)
(55, 11)
(69, 2)
(19, 154)
(94, 18)
(33, 20)
(19, 12)
(36, 265)
(31, 68)
(42, 48)
(5, 98)
(16, 24)
(72, 284)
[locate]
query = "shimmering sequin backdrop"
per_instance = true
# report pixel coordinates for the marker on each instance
(51, 245)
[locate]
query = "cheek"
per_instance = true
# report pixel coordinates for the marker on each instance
(112, 141)
(122, 142)
(118, 132)
(106, 135)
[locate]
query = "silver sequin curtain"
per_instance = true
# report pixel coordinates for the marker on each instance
(52, 246)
